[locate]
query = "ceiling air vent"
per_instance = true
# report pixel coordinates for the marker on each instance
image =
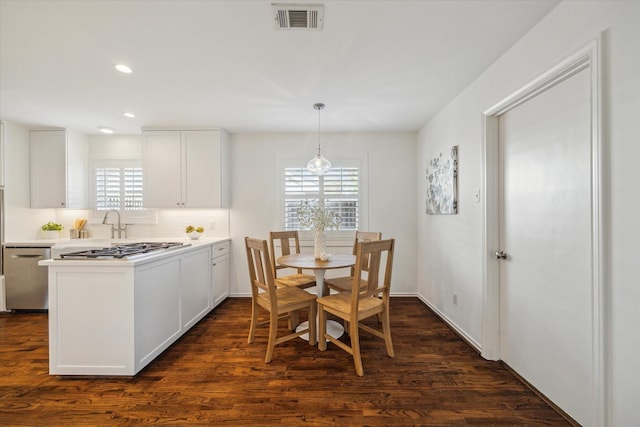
(298, 16)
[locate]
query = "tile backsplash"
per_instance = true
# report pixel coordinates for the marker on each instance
(170, 223)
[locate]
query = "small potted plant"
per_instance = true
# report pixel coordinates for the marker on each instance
(51, 230)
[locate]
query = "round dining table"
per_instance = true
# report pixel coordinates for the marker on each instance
(319, 267)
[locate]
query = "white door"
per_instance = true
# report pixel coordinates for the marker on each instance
(545, 229)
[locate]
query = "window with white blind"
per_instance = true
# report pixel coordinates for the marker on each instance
(339, 188)
(117, 184)
(118, 188)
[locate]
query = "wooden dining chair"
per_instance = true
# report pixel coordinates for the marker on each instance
(362, 303)
(343, 283)
(279, 302)
(289, 241)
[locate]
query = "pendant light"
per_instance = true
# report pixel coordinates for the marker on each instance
(319, 165)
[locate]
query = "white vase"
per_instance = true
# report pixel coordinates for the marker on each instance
(319, 244)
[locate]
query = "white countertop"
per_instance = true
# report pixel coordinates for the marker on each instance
(189, 244)
(102, 242)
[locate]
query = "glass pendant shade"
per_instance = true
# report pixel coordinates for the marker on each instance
(319, 165)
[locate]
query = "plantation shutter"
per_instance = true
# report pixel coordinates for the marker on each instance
(118, 187)
(339, 189)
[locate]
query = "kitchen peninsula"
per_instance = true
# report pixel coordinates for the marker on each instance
(113, 316)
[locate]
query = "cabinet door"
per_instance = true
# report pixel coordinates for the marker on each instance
(48, 164)
(161, 154)
(195, 280)
(77, 147)
(220, 279)
(201, 186)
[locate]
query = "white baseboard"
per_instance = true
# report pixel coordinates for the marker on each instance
(472, 342)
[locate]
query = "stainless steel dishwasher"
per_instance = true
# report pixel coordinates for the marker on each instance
(26, 283)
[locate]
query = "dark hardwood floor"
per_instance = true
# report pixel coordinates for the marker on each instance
(211, 376)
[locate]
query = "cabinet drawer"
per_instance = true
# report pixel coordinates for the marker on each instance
(220, 249)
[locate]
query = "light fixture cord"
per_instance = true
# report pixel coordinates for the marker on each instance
(319, 132)
(319, 106)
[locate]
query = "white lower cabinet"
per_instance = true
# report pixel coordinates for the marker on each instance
(195, 292)
(219, 273)
(116, 317)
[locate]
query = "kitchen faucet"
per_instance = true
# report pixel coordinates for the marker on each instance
(120, 229)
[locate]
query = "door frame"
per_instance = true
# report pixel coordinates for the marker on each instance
(587, 58)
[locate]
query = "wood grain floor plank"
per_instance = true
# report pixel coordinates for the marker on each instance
(211, 376)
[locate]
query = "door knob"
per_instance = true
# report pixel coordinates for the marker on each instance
(501, 255)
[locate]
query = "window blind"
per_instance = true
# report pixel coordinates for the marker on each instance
(339, 189)
(118, 188)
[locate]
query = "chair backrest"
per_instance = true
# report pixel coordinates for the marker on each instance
(289, 241)
(260, 272)
(364, 236)
(375, 252)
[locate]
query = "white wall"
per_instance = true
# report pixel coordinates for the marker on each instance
(451, 246)
(389, 160)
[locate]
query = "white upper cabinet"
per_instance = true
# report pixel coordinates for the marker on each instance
(186, 169)
(58, 169)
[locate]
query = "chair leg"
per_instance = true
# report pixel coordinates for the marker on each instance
(312, 323)
(322, 327)
(273, 331)
(355, 346)
(386, 329)
(254, 320)
(294, 320)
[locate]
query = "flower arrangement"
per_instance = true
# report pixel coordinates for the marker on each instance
(317, 217)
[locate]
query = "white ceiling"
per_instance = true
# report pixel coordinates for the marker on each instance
(377, 65)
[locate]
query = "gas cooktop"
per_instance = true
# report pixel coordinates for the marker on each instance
(122, 251)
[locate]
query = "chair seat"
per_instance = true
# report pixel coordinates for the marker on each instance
(343, 284)
(297, 280)
(341, 302)
(289, 298)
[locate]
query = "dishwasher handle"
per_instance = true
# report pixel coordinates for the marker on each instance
(26, 256)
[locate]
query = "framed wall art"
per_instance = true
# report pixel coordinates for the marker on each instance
(442, 184)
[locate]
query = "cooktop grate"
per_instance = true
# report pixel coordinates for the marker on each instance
(122, 251)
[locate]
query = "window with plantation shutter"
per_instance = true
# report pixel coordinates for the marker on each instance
(339, 188)
(117, 184)
(118, 188)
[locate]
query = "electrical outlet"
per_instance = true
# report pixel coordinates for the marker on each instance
(212, 225)
(455, 299)
(476, 197)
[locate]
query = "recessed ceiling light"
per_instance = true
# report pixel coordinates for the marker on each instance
(123, 68)
(130, 115)
(105, 129)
